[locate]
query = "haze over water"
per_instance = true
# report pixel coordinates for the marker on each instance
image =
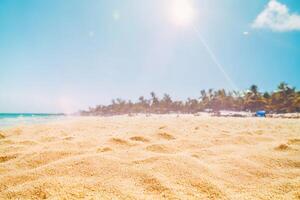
(11, 119)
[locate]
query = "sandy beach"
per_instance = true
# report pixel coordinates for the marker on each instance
(156, 157)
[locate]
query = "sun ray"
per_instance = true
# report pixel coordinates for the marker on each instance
(215, 60)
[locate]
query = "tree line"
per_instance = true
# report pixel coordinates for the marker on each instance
(284, 99)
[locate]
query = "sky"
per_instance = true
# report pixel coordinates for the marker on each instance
(61, 55)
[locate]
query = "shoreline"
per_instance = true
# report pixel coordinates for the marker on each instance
(29, 121)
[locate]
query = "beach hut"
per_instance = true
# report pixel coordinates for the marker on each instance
(260, 113)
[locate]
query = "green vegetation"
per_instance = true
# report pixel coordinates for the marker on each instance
(285, 99)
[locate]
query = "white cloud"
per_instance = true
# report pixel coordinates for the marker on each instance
(277, 17)
(246, 33)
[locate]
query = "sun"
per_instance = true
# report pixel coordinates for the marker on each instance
(182, 12)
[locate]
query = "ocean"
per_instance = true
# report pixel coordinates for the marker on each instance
(13, 119)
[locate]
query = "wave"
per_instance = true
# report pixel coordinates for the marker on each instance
(12, 119)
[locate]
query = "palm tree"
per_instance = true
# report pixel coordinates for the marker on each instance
(166, 103)
(192, 105)
(254, 89)
(282, 100)
(282, 86)
(143, 105)
(285, 99)
(254, 100)
(155, 102)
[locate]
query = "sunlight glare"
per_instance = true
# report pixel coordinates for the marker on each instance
(182, 12)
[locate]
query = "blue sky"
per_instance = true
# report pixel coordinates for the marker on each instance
(60, 55)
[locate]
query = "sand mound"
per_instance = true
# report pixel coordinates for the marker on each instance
(159, 148)
(162, 127)
(118, 141)
(105, 149)
(282, 147)
(154, 185)
(171, 157)
(6, 158)
(2, 135)
(139, 139)
(294, 141)
(166, 136)
(208, 190)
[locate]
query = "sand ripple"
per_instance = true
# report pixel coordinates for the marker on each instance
(157, 157)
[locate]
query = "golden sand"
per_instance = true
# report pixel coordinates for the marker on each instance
(156, 157)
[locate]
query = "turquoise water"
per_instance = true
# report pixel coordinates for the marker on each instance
(12, 119)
